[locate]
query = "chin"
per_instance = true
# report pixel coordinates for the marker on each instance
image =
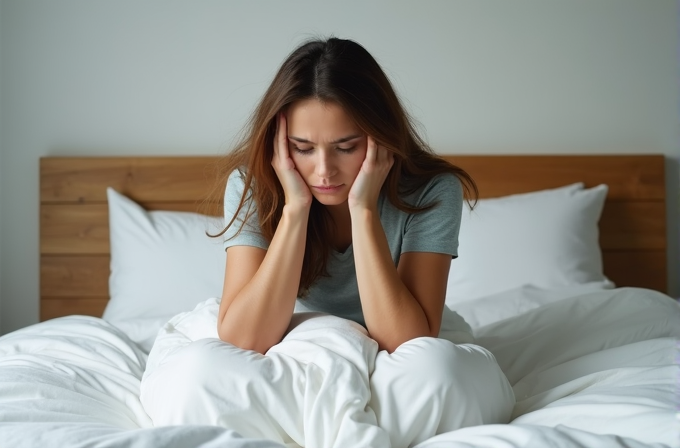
(330, 200)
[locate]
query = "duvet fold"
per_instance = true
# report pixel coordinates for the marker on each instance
(311, 390)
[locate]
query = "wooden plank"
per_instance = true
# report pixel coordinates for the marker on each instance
(642, 269)
(84, 228)
(633, 225)
(74, 229)
(144, 179)
(628, 176)
(51, 307)
(74, 276)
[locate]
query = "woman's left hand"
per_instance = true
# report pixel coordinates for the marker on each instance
(374, 170)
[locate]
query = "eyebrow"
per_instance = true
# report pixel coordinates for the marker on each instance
(340, 140)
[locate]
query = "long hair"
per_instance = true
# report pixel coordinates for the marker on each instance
(342, 72)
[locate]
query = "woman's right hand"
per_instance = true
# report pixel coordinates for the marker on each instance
(296, 191)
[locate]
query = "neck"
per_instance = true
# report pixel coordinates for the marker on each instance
(340, 215)
(342, 237)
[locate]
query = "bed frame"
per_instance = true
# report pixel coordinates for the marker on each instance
(74, 241)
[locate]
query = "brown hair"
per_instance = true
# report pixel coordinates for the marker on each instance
(342, 72)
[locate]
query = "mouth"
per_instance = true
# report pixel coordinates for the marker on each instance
(327, 188)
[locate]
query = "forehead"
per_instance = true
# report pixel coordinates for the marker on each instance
(312, 117)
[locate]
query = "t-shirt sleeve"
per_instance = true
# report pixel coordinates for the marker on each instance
(250, 233)
(436, 230)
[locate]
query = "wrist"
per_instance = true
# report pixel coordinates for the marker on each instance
(296, 211)
(361, 215)
(360, 208)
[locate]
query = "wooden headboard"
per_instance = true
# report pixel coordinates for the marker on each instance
(74, 244)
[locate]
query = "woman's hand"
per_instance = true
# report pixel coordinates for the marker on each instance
(295, 189)
(366, 187)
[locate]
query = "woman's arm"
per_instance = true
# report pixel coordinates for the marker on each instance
(261, 286)
(403, 303)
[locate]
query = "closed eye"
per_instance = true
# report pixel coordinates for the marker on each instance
(303, 151)
(308, 151)
(347, 150)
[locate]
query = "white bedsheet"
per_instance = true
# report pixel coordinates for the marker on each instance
(593, 370)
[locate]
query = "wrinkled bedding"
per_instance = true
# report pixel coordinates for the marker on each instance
(588, 369)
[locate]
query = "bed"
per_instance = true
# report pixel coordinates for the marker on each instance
(570, 300)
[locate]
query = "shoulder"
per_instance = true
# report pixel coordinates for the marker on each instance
(234, 191)
(447, 182)
(435, 225)
(235, 183)
(236, 177)
(442, 187)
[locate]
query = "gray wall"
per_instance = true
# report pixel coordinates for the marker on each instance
(126, 77)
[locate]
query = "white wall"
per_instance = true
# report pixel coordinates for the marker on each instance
(175, 77)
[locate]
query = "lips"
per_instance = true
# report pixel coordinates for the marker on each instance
(327, 188)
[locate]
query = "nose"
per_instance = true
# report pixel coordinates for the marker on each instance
(326, 164)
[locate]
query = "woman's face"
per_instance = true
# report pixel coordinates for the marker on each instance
(327, 148)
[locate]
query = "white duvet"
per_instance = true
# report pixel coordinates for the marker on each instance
(597, 369)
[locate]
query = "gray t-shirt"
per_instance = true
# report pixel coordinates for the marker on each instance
(434, 230)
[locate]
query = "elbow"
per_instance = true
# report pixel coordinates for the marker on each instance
(392, 344)
(241, 340)
(389, 348)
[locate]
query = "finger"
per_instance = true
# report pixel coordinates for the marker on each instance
(390, 159)
(371, 150)
(282, 137)
(386, 155)
(381, 155)
(276, 135)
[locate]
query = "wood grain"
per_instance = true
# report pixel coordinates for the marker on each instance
(74, 229)
(629, 177)
(65, 276)
(641, 269)
(51, 307)
(84, 228)
(144, 179)
(633, 225)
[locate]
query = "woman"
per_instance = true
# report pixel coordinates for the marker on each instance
(335, 205)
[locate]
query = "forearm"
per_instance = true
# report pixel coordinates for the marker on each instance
(259, 314)
(393, 316)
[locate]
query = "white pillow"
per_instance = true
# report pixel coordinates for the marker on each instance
(162, 262)
(548, 239)
(491, 309)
